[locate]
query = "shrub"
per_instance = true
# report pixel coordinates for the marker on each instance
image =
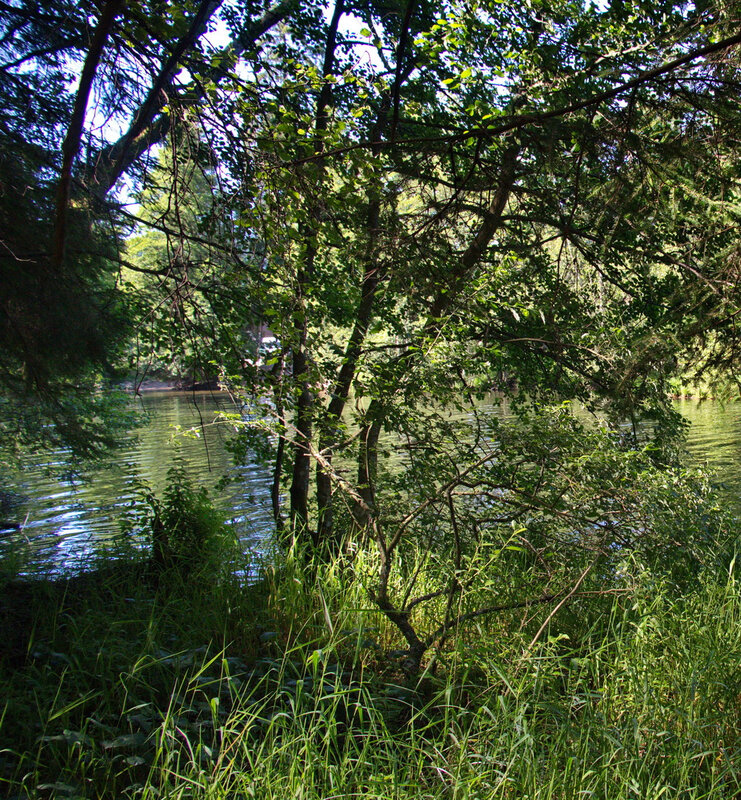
(188, 535)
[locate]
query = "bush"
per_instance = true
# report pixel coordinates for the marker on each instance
(188, 535)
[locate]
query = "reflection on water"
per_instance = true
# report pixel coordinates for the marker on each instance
(715, 441)
(63, 522)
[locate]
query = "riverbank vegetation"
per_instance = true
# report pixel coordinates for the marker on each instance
(415, 205)
(168, 672)
(291, 688)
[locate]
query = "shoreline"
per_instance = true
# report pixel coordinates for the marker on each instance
(153, 385)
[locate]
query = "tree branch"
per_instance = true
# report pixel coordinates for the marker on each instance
(156, 97)
(114, 160)
(524, 120)
(71, 144)
(482, 612)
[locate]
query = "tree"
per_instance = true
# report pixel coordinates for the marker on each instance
(434, 227)
(449, 178)
(60, 257)
(50, 364)
(189, 270)
(534, 197)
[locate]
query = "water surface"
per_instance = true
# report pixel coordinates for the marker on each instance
(64, 521)
(715, 441)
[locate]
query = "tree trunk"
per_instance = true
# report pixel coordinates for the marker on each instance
(367, 471)
(305, 400)
(326, 532)
(303, 429)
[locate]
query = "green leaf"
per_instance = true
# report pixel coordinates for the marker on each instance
(125, 740)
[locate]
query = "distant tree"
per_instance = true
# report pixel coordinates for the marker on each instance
(189, 270)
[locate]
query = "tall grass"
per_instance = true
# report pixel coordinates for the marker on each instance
(286, 689)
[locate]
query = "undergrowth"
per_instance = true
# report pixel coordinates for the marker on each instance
(290, 687)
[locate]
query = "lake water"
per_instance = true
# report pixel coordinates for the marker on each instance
(715, 440)
(63, 522)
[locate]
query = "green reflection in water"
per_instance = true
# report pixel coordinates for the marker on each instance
(715, 441)
(63, 522)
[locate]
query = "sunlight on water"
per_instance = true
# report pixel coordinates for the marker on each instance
(715, 441)
(64, 522)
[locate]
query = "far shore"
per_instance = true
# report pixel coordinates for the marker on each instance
(185, 385)
(173, 385)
